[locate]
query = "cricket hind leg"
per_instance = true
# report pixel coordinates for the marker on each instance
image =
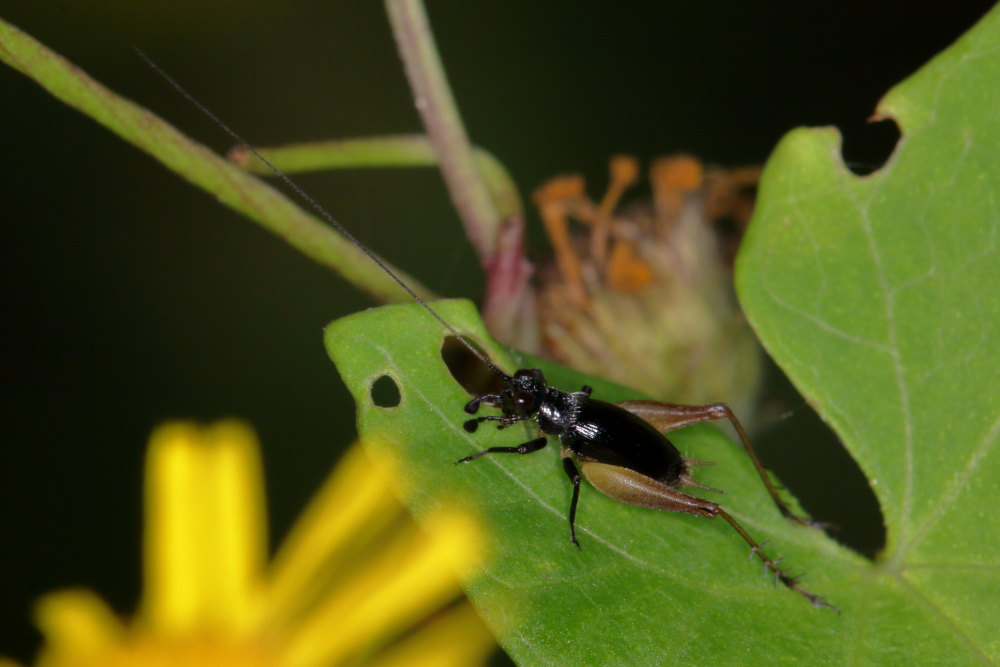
(770, 564)
(634, 488)
(671, 416)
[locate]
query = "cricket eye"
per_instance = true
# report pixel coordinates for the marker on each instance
(525, 400)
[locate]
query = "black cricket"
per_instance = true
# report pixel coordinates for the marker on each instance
(620, 448)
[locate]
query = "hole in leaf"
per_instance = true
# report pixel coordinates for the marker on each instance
(868, 145)
(468, 370)
(812, 463)
(385, 392)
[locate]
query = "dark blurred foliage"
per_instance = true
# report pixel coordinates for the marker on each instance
(130, 297)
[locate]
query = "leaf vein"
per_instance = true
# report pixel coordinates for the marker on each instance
(958, 482)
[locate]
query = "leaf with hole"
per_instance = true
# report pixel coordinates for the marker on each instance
(878, 297)
(639, 572)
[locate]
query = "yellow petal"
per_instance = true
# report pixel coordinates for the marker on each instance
(458, 638)
(205, 540)
(356, 501)
(403, 583)
(78, 628)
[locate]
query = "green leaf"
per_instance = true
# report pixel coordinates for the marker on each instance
(880, 298)
(646, 587)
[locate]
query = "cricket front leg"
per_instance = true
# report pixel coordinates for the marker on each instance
(523, 448)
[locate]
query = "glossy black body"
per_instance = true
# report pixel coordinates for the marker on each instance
(606, 433)
(592, 430)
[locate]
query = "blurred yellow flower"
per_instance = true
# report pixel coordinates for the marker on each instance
(356, 581)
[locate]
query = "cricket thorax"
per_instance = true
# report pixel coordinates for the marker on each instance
(558, 411)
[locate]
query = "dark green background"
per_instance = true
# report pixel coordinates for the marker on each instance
(130, 297)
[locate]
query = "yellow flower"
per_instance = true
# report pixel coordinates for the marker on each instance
(355, 582)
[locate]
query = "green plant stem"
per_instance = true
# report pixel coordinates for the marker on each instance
(401, 150)
(443, 123)
(508, 308)
(198, 165)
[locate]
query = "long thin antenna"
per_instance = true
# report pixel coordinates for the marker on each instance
(318, 208)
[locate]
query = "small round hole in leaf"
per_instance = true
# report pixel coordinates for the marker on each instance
(385, 392)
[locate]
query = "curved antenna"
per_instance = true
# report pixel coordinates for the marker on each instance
(320, 210)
